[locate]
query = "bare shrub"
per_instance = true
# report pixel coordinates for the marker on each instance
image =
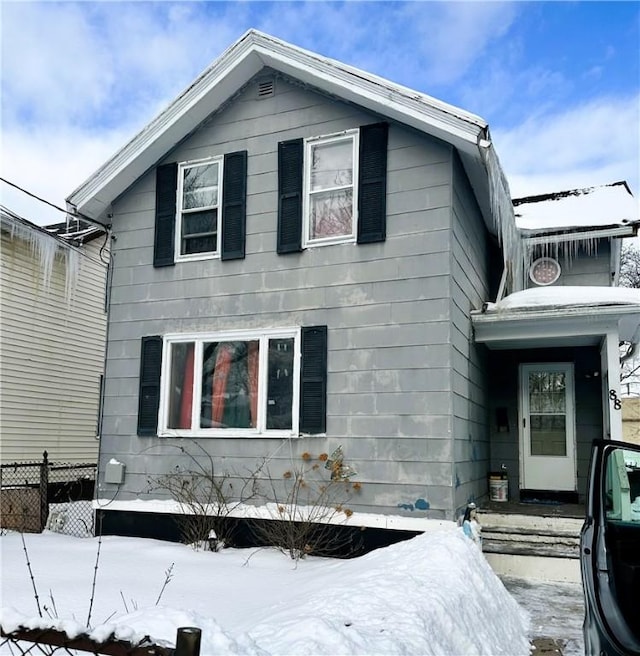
(205, 498)
(308, 507)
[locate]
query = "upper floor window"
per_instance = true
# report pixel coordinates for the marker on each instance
(330, 214)
(201, 209)
(333, 189)
(199, 192)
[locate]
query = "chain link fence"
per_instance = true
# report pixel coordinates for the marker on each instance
(40, 495)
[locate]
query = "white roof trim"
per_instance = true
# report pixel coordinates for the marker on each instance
(595, 233)
(531, 327)
(253, 51)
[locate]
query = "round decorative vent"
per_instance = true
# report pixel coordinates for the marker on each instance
(544, 271)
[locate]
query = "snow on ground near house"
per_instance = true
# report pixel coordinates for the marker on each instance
(434, 594)
(556, 610)
(539, 297)
(608, 205)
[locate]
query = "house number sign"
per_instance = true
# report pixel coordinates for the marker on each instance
(617, 404)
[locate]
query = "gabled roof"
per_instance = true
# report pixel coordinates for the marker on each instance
(606, 207)
(251, 53)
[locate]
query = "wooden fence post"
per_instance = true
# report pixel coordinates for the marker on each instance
(188, 641)
(44, 491)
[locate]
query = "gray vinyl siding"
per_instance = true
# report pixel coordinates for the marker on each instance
(52, 355)
(583, 266)
(399, 363)
(470, 262)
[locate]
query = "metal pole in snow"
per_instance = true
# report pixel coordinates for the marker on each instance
(44, 491)
(188, 641)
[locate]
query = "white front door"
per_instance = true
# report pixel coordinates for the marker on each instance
(547, 425)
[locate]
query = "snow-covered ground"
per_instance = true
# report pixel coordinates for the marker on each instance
(434, 594)
(556, 611)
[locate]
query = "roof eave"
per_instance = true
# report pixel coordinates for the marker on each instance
(498, 329)
(533, 237)
(234, 68)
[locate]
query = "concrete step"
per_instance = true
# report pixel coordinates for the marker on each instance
(541, 568)
(530, 535)
(534, 523)
(531, 548)
(541, 543)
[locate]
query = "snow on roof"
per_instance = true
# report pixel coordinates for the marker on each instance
(75, 230)
(570, 296)
(606, 205)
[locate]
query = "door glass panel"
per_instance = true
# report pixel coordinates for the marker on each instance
(548, 413)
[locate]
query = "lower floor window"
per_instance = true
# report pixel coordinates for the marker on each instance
(246, 382)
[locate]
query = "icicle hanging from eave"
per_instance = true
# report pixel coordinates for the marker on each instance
(71, 274)
(564, 246)
(46, 248)
(503, 214)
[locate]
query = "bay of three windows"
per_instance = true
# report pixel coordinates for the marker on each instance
(246, 382)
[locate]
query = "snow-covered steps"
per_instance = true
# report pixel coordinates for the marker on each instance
(541, 546)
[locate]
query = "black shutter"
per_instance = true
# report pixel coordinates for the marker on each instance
(290, 163)
(313, 380)
(372, 183)
(149, 394)
(234, 205)
(166, 193)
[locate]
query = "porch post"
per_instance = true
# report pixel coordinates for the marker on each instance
(611, 386)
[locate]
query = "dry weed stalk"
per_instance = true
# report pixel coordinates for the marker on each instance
(205, 499)
(309, 509)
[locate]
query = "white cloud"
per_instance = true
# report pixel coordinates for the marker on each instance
(78, 80)
(107, 63)
(45, 77)
(453, 36)
(51, 164)
(594, 143)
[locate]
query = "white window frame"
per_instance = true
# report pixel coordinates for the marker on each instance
(205, 255)
(346, 135)
(199, 339)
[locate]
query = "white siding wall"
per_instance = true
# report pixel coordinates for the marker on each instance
(51, 356)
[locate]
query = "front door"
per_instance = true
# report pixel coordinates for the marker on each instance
(547, 425)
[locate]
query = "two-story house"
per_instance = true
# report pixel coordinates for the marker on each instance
(305, 257)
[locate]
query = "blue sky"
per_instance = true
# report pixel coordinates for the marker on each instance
(558, 82)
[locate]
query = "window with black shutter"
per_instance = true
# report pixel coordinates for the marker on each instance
(290, 158)
(166, 193)
(332, 189)
(149, 389)
(234, 205)
(372, 183)
(269, 382)
(313, 380)
(201, 209)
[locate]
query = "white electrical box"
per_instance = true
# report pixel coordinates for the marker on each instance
(114, 472)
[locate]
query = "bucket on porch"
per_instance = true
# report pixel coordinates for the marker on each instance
(498, 486)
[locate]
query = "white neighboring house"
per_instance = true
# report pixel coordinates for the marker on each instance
(52, 338)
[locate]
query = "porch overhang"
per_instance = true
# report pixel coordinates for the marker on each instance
(584, 325)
